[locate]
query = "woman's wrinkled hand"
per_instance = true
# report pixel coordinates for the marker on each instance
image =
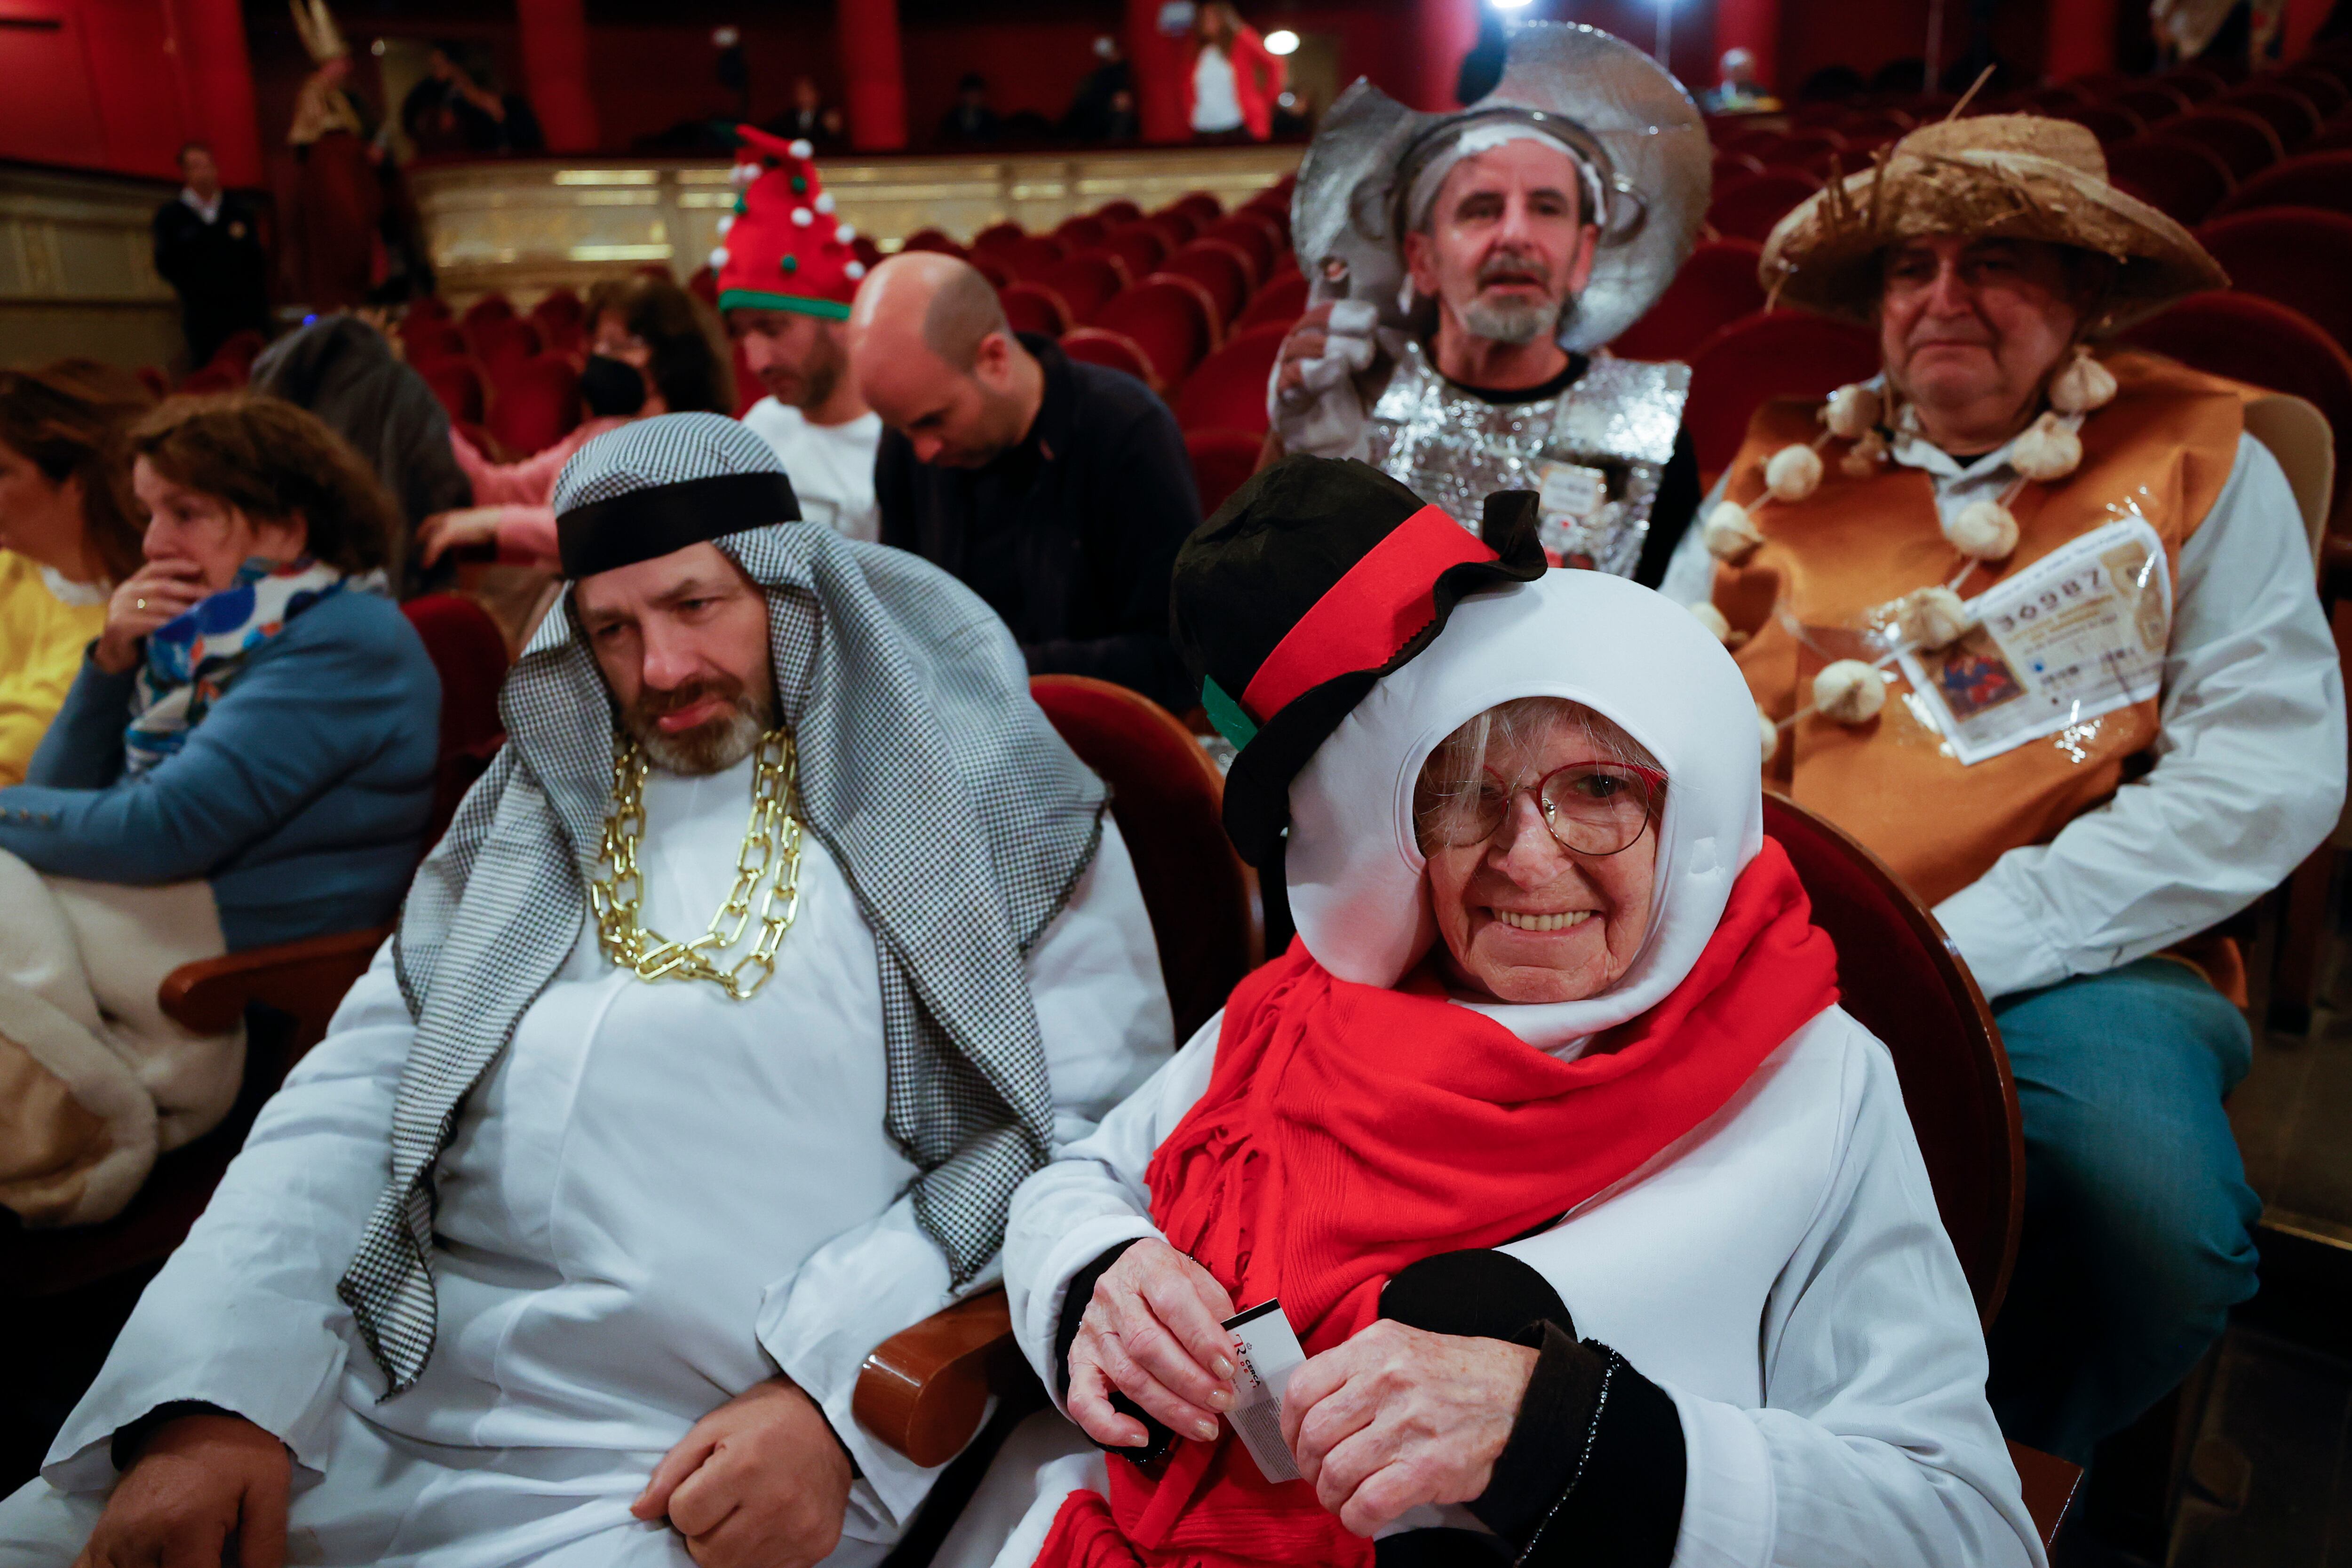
(461, 529)
(154, 594)
(1154, 1331)
(1398, 1416)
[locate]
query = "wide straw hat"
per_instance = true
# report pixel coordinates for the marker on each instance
(2015, 176)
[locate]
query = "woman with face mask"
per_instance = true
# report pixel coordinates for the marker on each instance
(247, 757)
(1603, 1230)
(652, 352)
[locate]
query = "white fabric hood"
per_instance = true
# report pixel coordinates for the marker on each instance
(1353, 870)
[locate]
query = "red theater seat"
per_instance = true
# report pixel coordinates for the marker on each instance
(1032, 307)
(2109, 123)
(1747, 208)
(1113, 351)
(2153, 101)
(491, 306)
(1788, 354)
(2299, 257)
(1080, 232)
(1202, 205)
(2248, 338)
(1731, 165)
(2198, 83)
(2322, 180)
(2328, 94)
(537, 403)
(1217, 268)
(997, 235)
(2295, 116)
(1280, 302)
(1168, 321)
(1228, 391)
(458, 386)
(1028, 257)
(562, 321)
(1177, 226)
(1085, 283)
(501, 343)
(2244, 139)
(428, 307)
(990, 268)
(931, 239)
(1223, 461)
(1255, 240)
(2182, 179)
(702, 283)
(1139, 249)
(1118, 212)
(1715, 288)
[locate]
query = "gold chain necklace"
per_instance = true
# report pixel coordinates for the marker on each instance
(771, 841)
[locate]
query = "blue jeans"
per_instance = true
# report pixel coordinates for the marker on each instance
(2137, 1216)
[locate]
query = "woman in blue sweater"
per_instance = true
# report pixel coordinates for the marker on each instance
(246, 757)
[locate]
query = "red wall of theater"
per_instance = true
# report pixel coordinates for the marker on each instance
(118, 84)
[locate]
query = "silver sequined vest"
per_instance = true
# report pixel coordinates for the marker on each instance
(1594, 453)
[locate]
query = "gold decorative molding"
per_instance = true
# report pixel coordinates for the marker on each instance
(528, 227)
(77, 269)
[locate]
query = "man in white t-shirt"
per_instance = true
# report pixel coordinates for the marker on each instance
(786, 274)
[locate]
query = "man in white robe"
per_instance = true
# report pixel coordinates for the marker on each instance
(657, 1223)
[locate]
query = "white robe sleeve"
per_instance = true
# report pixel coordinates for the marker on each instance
(1875, 1447)
(1102, 1009)
(244, 1314)
(2248, 775)
(1092, 1197)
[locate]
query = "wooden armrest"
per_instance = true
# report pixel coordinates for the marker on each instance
(923, 1390)
(2049, 1483)
(306, 979)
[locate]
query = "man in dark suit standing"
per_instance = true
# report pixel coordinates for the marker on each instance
(207, 249)
(1059, 491)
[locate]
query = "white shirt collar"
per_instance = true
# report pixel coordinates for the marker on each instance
(207, 210)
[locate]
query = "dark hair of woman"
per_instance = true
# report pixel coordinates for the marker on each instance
(1219, 25)
(67, 419)
(687, 365)
(273, 461)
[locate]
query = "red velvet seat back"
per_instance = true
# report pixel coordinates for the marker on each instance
(1714, 288)
(458, 386)
(1227, 390)
(1279, 303)
(1170, 322)
(2245, 140)
(1748, 208)
(1218, 268)
(537, 403)
(1899, 978)
(1028, 257)
(1085, 283)
(1032, 308)
(469, 654)
(2299, 257)
(1223, 461)
(2182, 179)
(1788, 354)
(1167, 797)
(2321, 180)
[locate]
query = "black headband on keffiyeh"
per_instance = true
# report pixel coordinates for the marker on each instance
(621, 506)
(960, 819)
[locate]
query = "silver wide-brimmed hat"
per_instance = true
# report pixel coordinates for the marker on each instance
(1626, 120)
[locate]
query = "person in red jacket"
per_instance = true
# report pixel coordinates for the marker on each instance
(1230, 88)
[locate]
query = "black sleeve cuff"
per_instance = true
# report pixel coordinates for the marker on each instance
(1594, 1468)
(1158, 1438)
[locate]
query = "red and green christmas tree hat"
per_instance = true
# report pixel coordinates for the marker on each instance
(782, 248)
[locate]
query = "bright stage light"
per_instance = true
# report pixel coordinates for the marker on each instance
(1282, 41)
(1509, 5)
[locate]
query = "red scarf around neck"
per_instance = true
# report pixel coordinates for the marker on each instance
(1349, 1130)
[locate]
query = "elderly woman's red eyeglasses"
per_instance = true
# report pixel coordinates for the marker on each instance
(1593, 808)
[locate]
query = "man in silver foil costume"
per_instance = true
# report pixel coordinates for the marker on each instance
(1469, 269)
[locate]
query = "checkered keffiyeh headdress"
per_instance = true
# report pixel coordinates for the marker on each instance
(960, 819)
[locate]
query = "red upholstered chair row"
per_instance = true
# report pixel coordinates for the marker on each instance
(1714, 288)
(537, 403)
(2322, 180)
(1227, 391)
(1747, 207)
(2299, 257)
(1282, 302)
(1786, 353)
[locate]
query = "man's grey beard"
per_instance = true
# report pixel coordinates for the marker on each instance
(1511, 324)
(711, 748)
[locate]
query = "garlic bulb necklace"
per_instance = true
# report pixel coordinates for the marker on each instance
(1853, 691)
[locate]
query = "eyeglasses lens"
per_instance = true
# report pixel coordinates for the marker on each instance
(1593, 809)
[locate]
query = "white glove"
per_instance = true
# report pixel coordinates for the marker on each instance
(1323, 415)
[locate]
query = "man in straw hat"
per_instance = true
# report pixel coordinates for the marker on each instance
(567, 1243)
(1467, 266)
(2033, 618)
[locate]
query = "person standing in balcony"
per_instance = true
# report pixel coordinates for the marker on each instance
(340, 197)
(208, 250)
(1230, 91)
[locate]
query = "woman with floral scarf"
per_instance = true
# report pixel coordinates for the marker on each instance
(246, 757)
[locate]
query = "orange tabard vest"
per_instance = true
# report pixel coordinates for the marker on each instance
(2166, 445)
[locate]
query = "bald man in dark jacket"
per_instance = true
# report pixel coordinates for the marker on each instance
(1059, 491)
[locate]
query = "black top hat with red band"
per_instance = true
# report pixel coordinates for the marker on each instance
(1316, 578)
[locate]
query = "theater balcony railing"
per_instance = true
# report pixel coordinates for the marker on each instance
(528, 225)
